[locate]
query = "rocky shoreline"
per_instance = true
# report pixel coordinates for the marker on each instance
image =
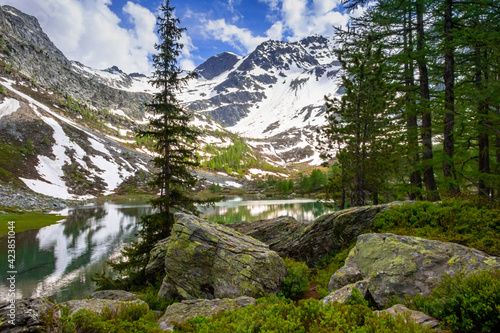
(28, 200)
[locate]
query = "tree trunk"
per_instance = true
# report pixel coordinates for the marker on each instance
(483, 139)
(429, 181)
(411, 117)
(449, 103)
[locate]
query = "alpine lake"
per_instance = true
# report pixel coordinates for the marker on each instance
(60, 260)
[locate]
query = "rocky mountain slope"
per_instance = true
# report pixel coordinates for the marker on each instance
(276, 92)
(82, 117)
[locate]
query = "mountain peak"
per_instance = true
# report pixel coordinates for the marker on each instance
(216, 65)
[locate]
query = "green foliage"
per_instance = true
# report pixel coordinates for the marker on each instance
(465, 304)
(2, 90)
(274, 314)
(454, 220)
(326, 267)
(174, 142)
(357, 298)
(133, 318)
(296, 283)
(237, 158)
(215, 188)
(154, 302)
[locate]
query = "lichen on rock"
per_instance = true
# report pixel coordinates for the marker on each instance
(399, 266)
(207, 260)
(187, 309)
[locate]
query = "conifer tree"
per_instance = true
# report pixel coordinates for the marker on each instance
(174, 140)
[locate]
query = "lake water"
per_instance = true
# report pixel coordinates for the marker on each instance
(60, 260)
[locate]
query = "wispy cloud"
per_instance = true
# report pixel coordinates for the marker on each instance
(240, 38)
(88, 31)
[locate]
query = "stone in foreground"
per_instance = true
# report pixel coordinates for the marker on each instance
(27, 317)
(117, 295)
(97, 305)
(187, 309)
(416, 316)
(344, 294)
(207, 260)
(399, 266)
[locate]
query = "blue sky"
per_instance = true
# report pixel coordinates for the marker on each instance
(104, 33)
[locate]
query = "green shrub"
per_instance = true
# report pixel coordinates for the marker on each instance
(465, 304)
(155, 302)
(326, 267)
(133, 318)
(275, 314)
(296, 283)
(454, 220)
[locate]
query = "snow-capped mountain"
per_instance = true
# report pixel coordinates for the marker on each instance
(273, 96)
(276, 92)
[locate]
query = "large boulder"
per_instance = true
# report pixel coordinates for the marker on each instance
(97, 305)
(399, 266)
(25, 315)
(187, 309)
(208, 260)
(416, 316)
(279, 233)
(116, 295)
(333, 231)
(310, 241)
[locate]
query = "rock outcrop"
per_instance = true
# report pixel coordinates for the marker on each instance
(416, 316)
(344, 294)
(115, 295)
(310, 241)
(279, 233)
(27, 315)
(399, 266)
(97, 304)
(187, 309)
(156, 261)
(207, 260)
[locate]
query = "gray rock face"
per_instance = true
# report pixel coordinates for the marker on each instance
(416, 316)
(156, 261)
(399, 266)
(279, 233)
(206, 260)
(344, 294)
(181, 312)
(115, 295)
(27, 315)
(30, 50)
(309, 242)
(216, 65)
(97, 304)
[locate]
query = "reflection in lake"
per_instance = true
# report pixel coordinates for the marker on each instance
(59, 260)
(241, 210)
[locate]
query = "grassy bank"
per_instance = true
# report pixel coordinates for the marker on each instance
(27, 221)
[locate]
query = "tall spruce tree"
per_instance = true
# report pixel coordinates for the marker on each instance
(174, 140)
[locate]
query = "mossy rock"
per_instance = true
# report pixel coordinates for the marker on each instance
(207, 260)
(400, 266)
(181, 312)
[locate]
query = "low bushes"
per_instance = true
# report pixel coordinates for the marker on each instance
(296, 283)
(133, 318)
(465, 222)
(275, 314)
(465, 304)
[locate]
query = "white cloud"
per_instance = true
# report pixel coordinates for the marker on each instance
(88, 31)
(240, 38)
(275, 32)
(186, 61)
(302, 18)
